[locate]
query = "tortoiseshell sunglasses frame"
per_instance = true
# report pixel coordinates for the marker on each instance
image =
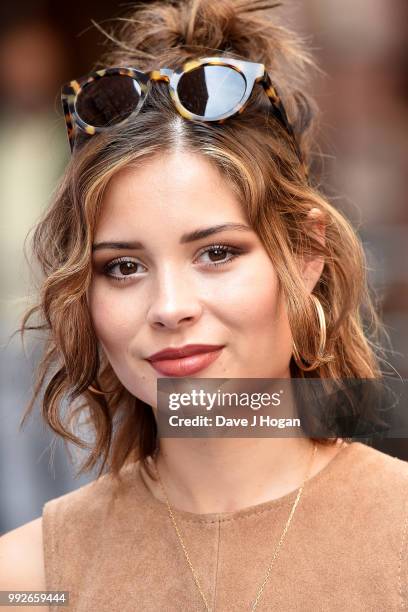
(252, 73)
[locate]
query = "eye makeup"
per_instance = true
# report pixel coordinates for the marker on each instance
(124, 268)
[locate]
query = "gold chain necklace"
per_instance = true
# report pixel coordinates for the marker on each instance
(275, 553)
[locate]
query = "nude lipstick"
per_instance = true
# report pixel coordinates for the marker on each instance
(185, 360)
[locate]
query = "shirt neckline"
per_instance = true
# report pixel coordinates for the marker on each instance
(310, 485)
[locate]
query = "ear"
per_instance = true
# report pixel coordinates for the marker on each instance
(312, 267)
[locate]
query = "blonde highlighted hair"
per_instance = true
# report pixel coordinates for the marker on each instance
(255, 154)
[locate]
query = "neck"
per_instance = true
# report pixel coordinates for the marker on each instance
(228, 474)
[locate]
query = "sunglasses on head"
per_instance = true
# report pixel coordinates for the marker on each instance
(207, 89)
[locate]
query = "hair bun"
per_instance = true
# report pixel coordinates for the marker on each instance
(168, 33)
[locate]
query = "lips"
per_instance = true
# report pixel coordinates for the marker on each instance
(186, 360)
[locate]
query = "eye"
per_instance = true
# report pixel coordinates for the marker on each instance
(120, 269)
(124, 268)
(218, 255)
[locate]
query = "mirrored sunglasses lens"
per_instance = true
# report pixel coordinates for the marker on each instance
(210, 91)
(108, 100)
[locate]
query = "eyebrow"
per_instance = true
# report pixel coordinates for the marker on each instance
(185, 238)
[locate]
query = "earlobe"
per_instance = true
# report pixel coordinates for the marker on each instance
(318, 226)
(312, 267)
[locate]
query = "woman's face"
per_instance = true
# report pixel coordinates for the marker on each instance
(156, 285)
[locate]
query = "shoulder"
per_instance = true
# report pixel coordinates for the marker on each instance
(93, 499)
(369, 488)
(88, 520)
(371, 472)
(82, 517)
(366, 486)
(374, 499)
(76, 511)
(378, 468)
(22, 559)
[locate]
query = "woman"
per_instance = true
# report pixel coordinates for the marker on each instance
(186, 239)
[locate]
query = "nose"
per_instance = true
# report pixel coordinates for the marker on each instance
(174, 301)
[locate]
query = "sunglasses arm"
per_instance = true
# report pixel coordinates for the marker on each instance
(67, 116)
(281, 115)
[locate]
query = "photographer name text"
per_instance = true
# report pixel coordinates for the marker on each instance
(223, 421)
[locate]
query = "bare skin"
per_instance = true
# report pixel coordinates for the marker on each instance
(22, 561)
(184, 491)
(174, 296)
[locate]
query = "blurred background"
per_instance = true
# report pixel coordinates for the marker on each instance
(361, 45)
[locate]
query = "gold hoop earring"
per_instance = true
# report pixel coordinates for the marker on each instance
(322, 343)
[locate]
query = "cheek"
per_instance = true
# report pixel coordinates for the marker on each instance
(265, 302)
(117, 320)
(113, 319)
(259, 315)
(270, 328)
(253, 298)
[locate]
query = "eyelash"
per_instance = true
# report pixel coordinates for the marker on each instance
(235, 252)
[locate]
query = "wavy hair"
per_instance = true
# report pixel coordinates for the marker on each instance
(255, 155)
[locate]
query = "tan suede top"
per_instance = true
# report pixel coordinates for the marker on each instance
(113, 547)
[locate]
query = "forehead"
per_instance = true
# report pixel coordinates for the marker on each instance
(169, 191)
